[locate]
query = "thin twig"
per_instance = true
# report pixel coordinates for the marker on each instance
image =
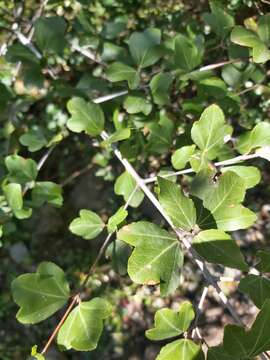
(199, 311)
(76, 174)
(224, 163)
(61, 322)
(106, 243)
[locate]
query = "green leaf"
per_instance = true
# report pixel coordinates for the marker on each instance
(259, 136)
(89, 225)
(178, 207)
(257, 287)
(83, 326)
(119, 252)
(21, 170)
(209, 133)
(260, 53)
(244, 37)
(223, 200)
(182, 156)
(247, 344)
(137, 103)
(118, 135)
(219, 353)
(85, 116)
(49, 34)
(264, 29)
(157, 257)
(40, 294)
(169, 323)
(264, 264)
(35, 354)
(213, 86)
(117, 219)
(13, 194)
(161, 134)
(125, 185)
(250, 174)
(219, 20)
(120, 72)
(47, 191)
(217, 247)
(180, 349)
(186, 54)
(18, 52)
(144, 47)
(160, 88)
(34, 140)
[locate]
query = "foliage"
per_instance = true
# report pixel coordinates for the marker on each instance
(134, 92)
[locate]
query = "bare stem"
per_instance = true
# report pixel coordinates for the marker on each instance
(228, 162)
(61, 322)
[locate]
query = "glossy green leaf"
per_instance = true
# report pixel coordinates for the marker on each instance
(169, 323)
(157, 257)
(122, 72)
(247, 344)
(256, 287)
(209, 133)
(49, 34)
(34, 140)
(116, 219)
(144, 47)
(250, 174)
(187, 56)
(21, 170)
(89, 225)
(160, 86)
(47, 192)
(85, 116)
(260, 53)
(259, 136)
(125, 185)
(217, 247)
(118, 135)
(182, 156)
(83, 326)
(264, 29)
(40, 294)
(13, 194)
(222, 199)
(264, 264)
(177, 206)
(244, 37)
(137, 103)
(180, 349)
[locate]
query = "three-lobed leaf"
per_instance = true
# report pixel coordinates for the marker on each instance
(145, 47)
(40, 294)
(180, 349)
(177, 206)
(85, 116)
(88, 225)
(122, 72)
(157, 256)
(169, 323)
(210, 132)
(83, 326)
(21, 170)
(218, 247)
